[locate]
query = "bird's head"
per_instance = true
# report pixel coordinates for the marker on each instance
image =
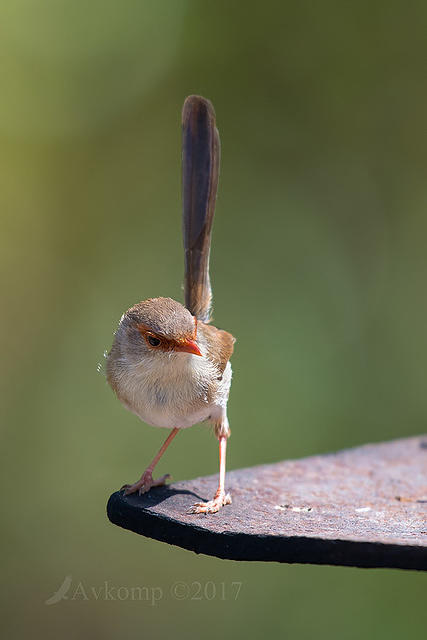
(159, 326)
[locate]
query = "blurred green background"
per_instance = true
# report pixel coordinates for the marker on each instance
(318, 267)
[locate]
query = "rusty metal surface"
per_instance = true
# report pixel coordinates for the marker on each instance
(362, 507)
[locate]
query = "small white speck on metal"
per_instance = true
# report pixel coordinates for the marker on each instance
(362, 509)
(284, 507)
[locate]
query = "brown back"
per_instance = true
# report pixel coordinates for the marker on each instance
(200, 171)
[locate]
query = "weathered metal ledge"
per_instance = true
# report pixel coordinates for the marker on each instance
(363, 507)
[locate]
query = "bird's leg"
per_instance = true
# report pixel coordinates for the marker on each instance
(221, 498)
(146, 481)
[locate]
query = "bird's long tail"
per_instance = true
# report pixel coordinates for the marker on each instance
(200, 171)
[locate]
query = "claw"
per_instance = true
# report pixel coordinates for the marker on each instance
(212, 506)
(144, 484)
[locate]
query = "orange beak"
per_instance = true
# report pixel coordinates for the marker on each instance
(189, 346)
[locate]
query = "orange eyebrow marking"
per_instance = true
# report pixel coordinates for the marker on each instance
(146, 332)
(142, 328)
(166, 344)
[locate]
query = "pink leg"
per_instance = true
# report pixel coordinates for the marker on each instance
(221, 498)
(146, 481)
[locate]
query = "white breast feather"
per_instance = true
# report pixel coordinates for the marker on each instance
(172, 391)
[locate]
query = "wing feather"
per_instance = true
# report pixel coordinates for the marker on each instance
(220, 344)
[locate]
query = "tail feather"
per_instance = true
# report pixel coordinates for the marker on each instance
(200, 171)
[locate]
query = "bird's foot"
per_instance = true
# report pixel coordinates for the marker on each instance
(145, 483)
(220, 500)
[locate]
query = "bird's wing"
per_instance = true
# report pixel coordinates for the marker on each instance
(220, 344)
(200, 171)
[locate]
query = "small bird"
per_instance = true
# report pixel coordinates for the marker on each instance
(168, 365)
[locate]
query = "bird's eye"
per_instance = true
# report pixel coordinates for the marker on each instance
(153, 341)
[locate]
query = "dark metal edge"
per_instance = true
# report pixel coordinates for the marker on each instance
(246, 547)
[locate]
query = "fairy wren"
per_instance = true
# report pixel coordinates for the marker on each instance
(168, 365)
